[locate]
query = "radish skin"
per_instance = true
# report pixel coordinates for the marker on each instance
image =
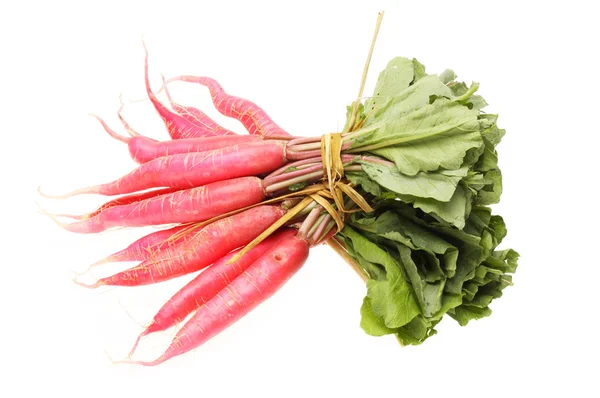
(149, 246)
(184, 206)
(196, 116)
(203, 248)
(206, 285)
(254, 118)
(177, 126)
(120, 201)
(194, 169)
(143, 149)
(256, 284)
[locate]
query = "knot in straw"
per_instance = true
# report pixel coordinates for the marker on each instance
(333, 176)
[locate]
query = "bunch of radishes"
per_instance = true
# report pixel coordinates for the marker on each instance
(223, 191)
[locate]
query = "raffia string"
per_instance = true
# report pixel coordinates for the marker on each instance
(333, 243)
(365, 72)
(333, 187)
(333, 175)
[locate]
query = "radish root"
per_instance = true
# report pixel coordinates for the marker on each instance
(110, 131)
(87, 285)
(86, 190)
(130, 130)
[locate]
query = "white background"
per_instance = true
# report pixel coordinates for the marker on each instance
(538, 67)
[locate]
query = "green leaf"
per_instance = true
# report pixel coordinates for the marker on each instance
(297, 186)
(417, 331)
(490, 131)
(466, 96)
(411, 98)
(374, 271)
(488, 160)
(477, 102)
(392, 298)
(421, 328)
(458, 88)
(365, 182)
(504, 260)
(497, 225)
(360, 115)
(426, 258)
(453, 212)
(398, 228)
(434, 136)
(491, 192)
(447, 76)
(437, 186)
(397, 76)
(465, 313)
(371, 323)
(419, 69)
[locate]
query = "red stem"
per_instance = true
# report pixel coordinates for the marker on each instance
(282, 177)
(309, 221)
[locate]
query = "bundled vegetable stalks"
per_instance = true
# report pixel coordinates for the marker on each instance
(402, 194)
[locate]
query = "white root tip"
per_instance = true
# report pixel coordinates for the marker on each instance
(86, 190)
(87, 285)
(124, 122)
(53, 217)
(110, 131)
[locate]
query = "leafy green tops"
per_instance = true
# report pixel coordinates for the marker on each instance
(430, 248)
(432, 128)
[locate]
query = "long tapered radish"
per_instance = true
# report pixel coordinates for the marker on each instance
(149, 246)
(196, 116)
(110, 131)
(194, 169)
(253, 117)
(206, 285)
(177, 126)
(256, 284)
(202, 249)
(120, 201)
(143, 149)
(184, 206)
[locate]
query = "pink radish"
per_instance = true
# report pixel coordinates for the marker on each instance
(143, 149)
(256, 284)
(194, 169)
(206, 285)
(149, 246)
(121, 200)
(204, 247)
(254, 118)
(196, 116)
(184, 206)
(177, 125)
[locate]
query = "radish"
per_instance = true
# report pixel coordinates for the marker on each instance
(196, 116)
(194, 169)
(254, 118)
(177, 126)
(143, 149)
(149, 246)
(256, 284)
(188, 205)
(206, 285)
(200, 250)
(119, 201)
